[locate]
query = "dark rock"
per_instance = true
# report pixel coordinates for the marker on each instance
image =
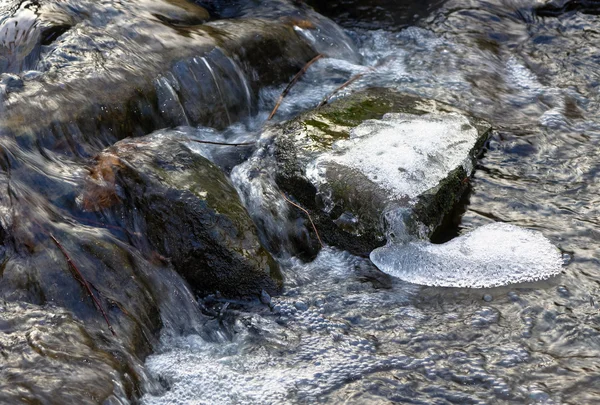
(138, 292)
(349, 192)
(168, 70)
(376, 14)
(188, 211)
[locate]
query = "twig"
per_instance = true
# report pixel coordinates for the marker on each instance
(223, 143)
(84, 282)
(308, 215)
(342, 87)
(292, 83)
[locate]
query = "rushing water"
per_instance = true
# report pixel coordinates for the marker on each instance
(342, 332)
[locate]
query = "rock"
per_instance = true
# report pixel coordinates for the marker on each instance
(188, 211)
(108, 71)
(49, 357)
(139, 292)
(390, 15)
(377, 152)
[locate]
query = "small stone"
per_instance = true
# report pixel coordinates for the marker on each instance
(488, 298)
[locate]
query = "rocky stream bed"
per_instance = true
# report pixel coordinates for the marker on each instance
(415, 223)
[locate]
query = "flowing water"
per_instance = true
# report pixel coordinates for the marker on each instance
(342, 332)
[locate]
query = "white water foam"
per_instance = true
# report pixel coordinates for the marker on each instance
(490, 256)
(299, 360)
(404, 154)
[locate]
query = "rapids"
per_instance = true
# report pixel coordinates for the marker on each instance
(341, 331)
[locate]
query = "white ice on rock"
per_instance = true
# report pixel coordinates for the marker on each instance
(490, 256)
(404, 154)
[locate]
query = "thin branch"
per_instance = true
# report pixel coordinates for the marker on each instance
(292, 83)
(308, 215)
(83, 282)
(222, 143)
(342, 87)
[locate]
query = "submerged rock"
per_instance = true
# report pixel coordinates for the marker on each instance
(95, 72)
(138, 292)
(374, 153)
(49, 357)
(555, 8)
(188, 211)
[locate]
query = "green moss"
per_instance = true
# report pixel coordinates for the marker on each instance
(207, 182)
(323, 134)
(355, 112)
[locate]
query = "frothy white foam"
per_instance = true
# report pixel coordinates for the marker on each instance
(404, 154)
(493, 255)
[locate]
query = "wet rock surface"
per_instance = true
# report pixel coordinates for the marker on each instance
(64, 363)
(188, 211)
(82, 238)
(84, 76)
(376, 14)
(555, 8)
(319, 163)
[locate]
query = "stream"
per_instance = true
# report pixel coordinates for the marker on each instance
(340, 331)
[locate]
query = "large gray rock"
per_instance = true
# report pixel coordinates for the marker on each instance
(376, 159)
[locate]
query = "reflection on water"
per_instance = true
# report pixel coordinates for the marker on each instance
(341, 332)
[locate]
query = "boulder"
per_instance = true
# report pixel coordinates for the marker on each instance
(43, 237)
(187, 209)
(78, 75)
(374, 160)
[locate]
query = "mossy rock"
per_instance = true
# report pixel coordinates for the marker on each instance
(189, 212)
(351, 197)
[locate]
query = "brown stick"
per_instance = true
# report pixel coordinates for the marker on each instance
(292, 83)
(222, 143)
(342, 87)
(83, 282)
(308, 215)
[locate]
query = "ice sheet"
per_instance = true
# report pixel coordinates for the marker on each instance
(490, 256)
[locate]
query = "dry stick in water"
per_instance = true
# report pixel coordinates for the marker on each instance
(308, 215)
(84, 282)
(346, 84)
(292, 83)
(342, 87)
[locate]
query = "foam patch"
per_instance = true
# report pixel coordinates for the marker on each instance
(491, 256)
